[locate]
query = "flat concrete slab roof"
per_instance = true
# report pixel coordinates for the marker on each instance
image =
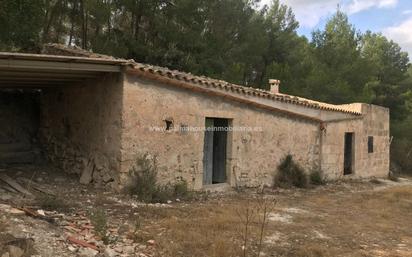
(19, 70)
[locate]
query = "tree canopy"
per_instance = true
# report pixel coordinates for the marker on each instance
(234, 40)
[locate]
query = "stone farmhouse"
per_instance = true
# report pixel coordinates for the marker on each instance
(93, 115)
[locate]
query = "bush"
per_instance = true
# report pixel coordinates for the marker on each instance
(181, 189)
(143, 178)
(290, 173)
(317, 178)
(163, 193)
(144, 183)
(98, 219)
(52, 203)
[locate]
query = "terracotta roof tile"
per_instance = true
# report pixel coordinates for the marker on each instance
(208, 82)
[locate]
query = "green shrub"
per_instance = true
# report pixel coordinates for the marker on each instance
(52, 203)
(98, 218)
(181, 189)
(143, 174)
(317, 178)
(289, 173)
(163, 193)
(144, 183)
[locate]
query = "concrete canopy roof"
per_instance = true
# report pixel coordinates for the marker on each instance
(38, 70)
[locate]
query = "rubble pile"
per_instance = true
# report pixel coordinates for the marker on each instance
(55, 232)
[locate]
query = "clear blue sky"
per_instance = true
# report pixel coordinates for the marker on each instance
(391, 17)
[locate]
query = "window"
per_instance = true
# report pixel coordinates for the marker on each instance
(169, 124)
(370, 144)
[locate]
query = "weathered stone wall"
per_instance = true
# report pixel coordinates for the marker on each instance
(252, 156)
(374, 122)
(80, 128)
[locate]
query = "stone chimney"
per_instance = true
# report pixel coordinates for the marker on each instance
(274, 85)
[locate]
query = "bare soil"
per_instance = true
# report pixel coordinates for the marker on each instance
(351, 218)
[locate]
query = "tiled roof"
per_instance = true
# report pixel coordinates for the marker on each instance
(226, 86)
(208, 82)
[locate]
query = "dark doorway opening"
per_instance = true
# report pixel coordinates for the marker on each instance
(215, 150)
(348, 154)
(19, 126)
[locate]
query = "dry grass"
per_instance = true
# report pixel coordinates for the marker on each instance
(214, 228)
(351, 223)
(204, 231)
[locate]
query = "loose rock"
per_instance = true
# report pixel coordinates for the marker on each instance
(15, 251)
(128, 249)
(87, 252)
(108, 252)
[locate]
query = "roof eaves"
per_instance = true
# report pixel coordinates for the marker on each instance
(248, 91)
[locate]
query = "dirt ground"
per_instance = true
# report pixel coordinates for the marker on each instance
(352, 218)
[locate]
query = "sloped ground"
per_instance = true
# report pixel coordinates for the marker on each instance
(339, 219)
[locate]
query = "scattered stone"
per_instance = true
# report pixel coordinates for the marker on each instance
(118, 249)
(41, 212)
(284, 218)
(273, 239)
(108, 252)
(15, 251)
(16, 211)
(124, 229)
(72, 248)
(151, 242)
(87, 174)
(320, 235)
(4, 206)
(294, 210)
(7, 208)
(87, 252)
(128, 249)
(142, 247)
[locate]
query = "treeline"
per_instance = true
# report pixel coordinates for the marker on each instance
(232, 40)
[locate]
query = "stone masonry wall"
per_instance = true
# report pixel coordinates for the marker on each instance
(80, 128)
(374, 122)
(252, 156)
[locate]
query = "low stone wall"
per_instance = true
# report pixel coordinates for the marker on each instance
(80, 128)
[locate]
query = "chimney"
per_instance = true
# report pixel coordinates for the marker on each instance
(274, 85)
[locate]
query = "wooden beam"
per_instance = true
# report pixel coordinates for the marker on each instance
(15, 185)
